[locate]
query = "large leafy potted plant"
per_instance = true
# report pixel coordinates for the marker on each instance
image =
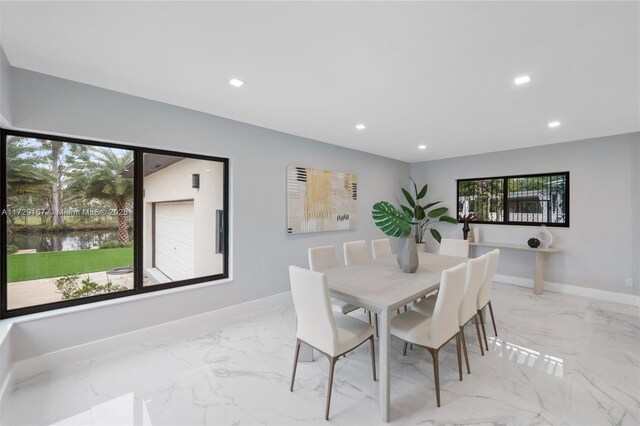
(424, 215)
(410, 223)
(398, 223)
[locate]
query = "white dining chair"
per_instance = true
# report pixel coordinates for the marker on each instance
(334, 334)
(467, 311)
(433, 332)
(323, 258)
(451, 247)
(484, 295)
(381, 248)
(355, 252)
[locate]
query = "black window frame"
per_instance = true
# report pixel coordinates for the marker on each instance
(138, 237)
(505, 199)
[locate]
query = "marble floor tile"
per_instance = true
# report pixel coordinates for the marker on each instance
(557, 359)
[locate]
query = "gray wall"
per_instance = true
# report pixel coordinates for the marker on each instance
(261, 248)
(601, 246)
(635, 215)
(5, 89)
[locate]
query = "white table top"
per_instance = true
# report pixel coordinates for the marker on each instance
(381, 284)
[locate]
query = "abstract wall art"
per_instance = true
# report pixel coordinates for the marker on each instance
(320, 200)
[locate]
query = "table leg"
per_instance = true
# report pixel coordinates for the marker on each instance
(538, 278)
(384, 384)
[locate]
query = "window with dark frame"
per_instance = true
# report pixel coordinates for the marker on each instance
(537, 199)
(85, 221)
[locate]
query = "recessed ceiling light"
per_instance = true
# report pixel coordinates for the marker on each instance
(553, 124)
(235, 82)
(523, 79)
(360, 126)
(422, 147)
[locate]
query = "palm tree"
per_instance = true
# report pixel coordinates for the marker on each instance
(104, 181)
(62, 159)
(55, 158)
(25, 179)
(23, 175)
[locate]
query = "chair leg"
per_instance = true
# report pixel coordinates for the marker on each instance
(495, 330)
(464, 346)
(479, 335)
(332, 365)
(369, 314)
(436, 373)
(458, 340)
(373, 358)
(295, 364)
(484, 331)
(376, 318)
(404, 351)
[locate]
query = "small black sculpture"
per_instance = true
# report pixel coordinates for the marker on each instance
(466, 218)
(465, 230)
(533, 242)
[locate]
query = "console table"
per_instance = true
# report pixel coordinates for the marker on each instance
(538, 281)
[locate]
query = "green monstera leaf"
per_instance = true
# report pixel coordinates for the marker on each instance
(393, 222)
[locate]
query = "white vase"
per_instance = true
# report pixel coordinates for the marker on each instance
(408, 254)
(545, 237)
(476, 234)
(422, 247)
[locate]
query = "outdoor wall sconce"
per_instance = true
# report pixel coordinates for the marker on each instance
(195, 180)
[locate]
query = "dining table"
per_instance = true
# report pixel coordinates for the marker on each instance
(381, 286)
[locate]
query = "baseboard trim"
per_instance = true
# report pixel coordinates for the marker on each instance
(592, 293)
(29, 367)
(7, 386)
(6, 373)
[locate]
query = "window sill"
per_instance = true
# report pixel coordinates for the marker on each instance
(6, 323)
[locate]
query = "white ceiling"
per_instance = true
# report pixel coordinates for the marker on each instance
(435, 73)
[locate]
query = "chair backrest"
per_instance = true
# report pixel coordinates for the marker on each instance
(322, 258)
(381, 248)
(444, 322)
(316, 323)
(475, 275)
(451, 247)
(484, 295)
(355, 252)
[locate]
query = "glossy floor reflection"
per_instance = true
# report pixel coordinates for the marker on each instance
(558, 360)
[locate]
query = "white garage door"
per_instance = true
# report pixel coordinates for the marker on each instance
(175, 240)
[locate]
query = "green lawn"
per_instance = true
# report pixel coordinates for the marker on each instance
(22, 267)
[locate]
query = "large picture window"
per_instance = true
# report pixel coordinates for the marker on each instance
(86, 221)
(540, 199)
(182, 198)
